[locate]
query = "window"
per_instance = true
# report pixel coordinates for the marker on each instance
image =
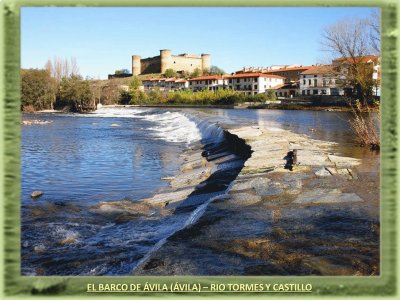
(315, 82)
(230, 80)
(315, 75)
(315, 92)
(308, 92)
(323, 92)
(304, 81)
(303, 92)
(309, 81)
(255, 87)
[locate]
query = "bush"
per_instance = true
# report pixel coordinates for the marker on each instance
(365, 127)
(37, 90)
(75, 93)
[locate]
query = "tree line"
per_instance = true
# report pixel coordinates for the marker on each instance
(59, 85)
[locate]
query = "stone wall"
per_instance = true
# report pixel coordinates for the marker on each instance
(159, 64)
(151, 65)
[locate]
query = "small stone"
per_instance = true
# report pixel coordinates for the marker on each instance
(36, 194)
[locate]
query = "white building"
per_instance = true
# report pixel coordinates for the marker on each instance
(254, 83)
(320, 80)
(165, 84)
(209, 82)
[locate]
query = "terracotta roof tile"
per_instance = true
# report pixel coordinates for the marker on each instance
(246, 75)
(324, 69)
(207, 77)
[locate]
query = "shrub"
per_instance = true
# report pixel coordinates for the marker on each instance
(365, 126)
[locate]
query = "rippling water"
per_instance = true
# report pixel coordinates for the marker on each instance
(79, 161)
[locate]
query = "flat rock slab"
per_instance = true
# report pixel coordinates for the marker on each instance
(312, 158)
(343, 162)
(247, 132)
(243, 199)
(272, 189)
(160, 199)
(191, 177)
(326, 196)
(250, 183)
(323, 172)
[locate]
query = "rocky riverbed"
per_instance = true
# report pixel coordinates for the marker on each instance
(316, 214)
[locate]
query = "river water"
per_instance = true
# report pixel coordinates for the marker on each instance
(117, 154)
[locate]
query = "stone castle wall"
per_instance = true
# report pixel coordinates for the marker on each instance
(159, 64)
(151, 65)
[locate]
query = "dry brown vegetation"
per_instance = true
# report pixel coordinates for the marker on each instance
(365, 126)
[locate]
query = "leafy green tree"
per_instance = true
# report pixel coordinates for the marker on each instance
(155, 96)
(122, 71)
(137, 95)
(196, 73)
(214, 70)
(170, 73)
(37, 89)
(76, 94)
(124, 98)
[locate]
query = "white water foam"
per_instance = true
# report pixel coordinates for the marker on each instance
(170, 126)
(174, 127)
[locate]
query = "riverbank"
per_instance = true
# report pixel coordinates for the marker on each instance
(277, 106)
(316, 216)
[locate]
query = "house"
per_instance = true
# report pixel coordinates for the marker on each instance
(254, 83)
(164, 84)
(320, 80)
(181, 84)
(291, 74)
(208, 82)
(372, 64)
(288, 90)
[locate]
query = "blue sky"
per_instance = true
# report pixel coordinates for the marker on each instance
(103, 39)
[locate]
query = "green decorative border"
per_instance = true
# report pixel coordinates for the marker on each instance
(15, 286)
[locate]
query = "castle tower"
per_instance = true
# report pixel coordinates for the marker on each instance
(205, 61)
(136, 65)
(165, 60)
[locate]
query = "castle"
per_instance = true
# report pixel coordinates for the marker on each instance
(179, 63)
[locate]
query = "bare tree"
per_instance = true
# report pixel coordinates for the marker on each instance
(74, 66)
(348, 38)
(349, 41)
(375, 31)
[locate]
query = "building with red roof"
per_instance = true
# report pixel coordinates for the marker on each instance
(254, 83)
(320, 80)
(207, 82)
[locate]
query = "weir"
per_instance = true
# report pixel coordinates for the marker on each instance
(219, 145)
